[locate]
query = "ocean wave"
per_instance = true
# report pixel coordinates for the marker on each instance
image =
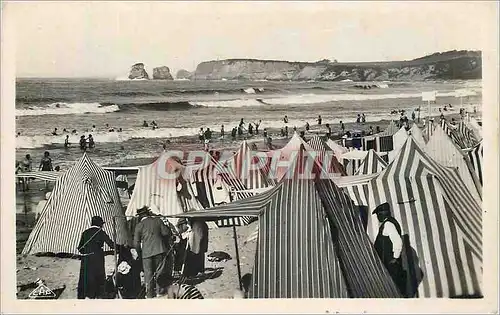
(157, 106)
(324, 98)
(67, 108)
(230, 103)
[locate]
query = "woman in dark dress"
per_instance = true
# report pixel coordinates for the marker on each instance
(198, 246)
(92, 273)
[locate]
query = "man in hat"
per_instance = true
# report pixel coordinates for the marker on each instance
(389, 244)
(92, 272)
(151, 237)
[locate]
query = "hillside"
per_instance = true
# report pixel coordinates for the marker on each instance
(438, 66)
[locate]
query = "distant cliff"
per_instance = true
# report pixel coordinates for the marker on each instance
(162, 73)
(446, 66)
(138, 72)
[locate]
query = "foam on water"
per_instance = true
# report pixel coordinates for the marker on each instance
(67, 108)
(231, 103)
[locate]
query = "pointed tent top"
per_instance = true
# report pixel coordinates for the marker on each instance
(417, 134)
(372, 163)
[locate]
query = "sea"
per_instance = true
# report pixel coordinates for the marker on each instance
(181, 108)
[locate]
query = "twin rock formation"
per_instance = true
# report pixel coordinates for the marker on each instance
(138, 72)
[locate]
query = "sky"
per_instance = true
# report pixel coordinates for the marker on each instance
(103, 39)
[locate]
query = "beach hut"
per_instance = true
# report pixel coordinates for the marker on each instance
(442, 150)
(83, 191)
(356, 187)
(382, 141)
(311, 243)
(372, 163)
(162, 187)
(440, 218)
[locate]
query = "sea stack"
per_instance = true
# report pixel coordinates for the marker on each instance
(183, 74)
(138, 72)
(162, 73)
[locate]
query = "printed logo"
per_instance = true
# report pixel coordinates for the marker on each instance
(42, 292)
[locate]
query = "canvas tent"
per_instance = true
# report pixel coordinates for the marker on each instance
(163, 193)
(399, 139)
(352, 160)
(311, 243)
(372, 163)
(417, 135)
(439, 216)
(442, 149)
(337, 149)
(322, 150)
(83, 191)
(245, 165)
(475, 155)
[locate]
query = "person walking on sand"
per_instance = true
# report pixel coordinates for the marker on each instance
(241, 122)
(342, 126)
(222, 132)
(358, 119)
(46, 162)
(92, 272)
(307, 126)
(285, 120)
(363, 118)
(151, 237)
(250, 129)
(319, 120)
(27, 164)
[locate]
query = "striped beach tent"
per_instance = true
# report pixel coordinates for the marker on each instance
(356, 187)
(41, 175)
(417, 135)
(476, 159)
(322, 150)
(162, 185)
(249, 168)
(352, 160)
(399, 139)
(337, 149)
(442, 149)
(311, 244)
(215, 183)
(372, 163)
(476, 129)
(439, 216)
(83, 191)
(459, 134)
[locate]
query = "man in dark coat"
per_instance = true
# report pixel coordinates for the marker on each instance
(198, 246)
(389, 245)
(154, 236)
(92, 272)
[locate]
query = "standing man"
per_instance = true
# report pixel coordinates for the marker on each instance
(92, 273)
(154, 236)
(389, 245)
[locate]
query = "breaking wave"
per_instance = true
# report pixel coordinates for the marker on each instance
(67, 108)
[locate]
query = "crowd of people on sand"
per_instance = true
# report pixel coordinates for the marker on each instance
(162, 262)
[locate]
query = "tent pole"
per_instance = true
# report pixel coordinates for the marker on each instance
(114, 249)
(237, 256)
